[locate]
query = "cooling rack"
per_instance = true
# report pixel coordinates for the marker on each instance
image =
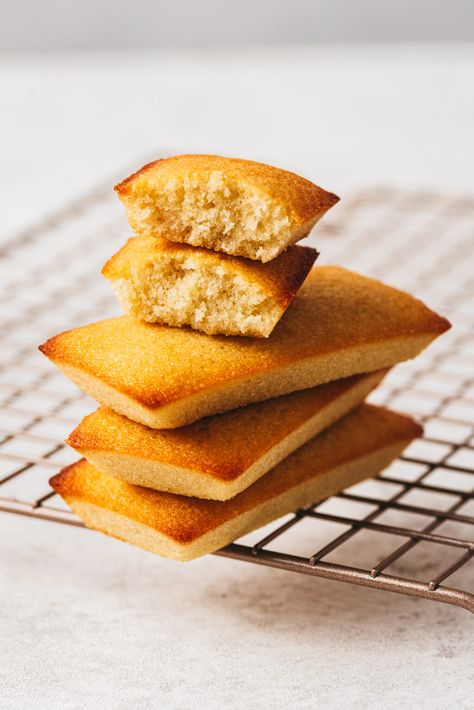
(407, 531)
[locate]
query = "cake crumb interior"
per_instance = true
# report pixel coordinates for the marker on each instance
(218, 213)
(180, 290)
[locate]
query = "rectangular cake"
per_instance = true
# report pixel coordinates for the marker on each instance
(339, 324)
(219, 456)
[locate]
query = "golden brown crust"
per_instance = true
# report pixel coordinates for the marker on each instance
(335, 312)
(122, 186)
(281, 277)
(223, 446)
(304, 198)
(185, 519)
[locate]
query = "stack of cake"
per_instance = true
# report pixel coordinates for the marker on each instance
(232, 392)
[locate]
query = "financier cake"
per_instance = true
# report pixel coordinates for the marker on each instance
(160, 281)
(236, 206)
(222, 455)
(359, 446)
(339, 324)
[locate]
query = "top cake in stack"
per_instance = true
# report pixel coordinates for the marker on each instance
(215, 251)
(239, 207)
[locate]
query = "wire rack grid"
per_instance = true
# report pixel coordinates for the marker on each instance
(407, 531)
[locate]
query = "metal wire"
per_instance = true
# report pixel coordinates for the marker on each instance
(420, 242)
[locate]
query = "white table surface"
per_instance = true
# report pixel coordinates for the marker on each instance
(88, 622)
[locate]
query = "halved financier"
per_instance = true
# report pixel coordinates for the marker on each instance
(162, 282)
(236, 206)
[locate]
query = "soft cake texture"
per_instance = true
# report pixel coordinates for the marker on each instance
(340, 324)
(222, 455)
(357, 447)
(160, 281)
(236, 206)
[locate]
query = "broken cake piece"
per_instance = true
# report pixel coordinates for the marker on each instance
(236, 206)
(163, 282)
